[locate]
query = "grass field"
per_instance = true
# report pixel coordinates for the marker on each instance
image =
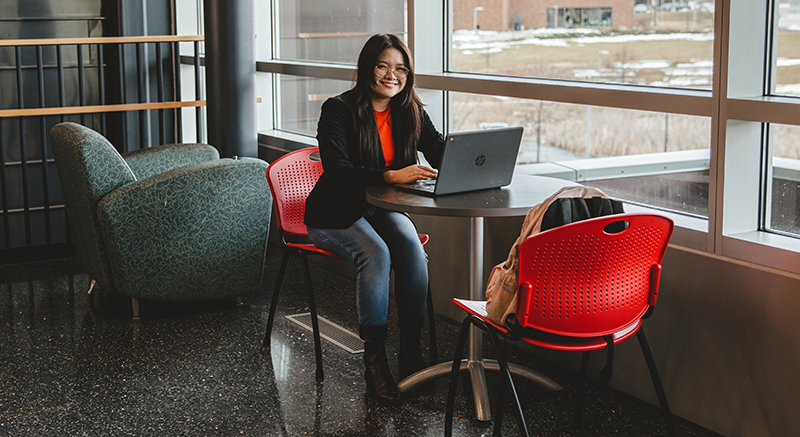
(615, 132)
(622, 59)
(562, 62)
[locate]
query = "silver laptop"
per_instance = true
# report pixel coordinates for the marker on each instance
(473, 161)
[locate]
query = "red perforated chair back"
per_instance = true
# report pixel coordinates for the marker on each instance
(291, 178)
(581, 280)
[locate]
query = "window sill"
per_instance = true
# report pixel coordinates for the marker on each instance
(285, 141)
(764, 249)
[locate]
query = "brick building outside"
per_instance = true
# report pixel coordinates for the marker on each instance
(502, 15)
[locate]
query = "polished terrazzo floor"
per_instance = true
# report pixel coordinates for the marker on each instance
(78, 365)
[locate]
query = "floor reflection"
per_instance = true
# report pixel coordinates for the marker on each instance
(72, 364)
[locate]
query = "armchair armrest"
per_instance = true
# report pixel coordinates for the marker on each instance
(193, 233)
(153, 160)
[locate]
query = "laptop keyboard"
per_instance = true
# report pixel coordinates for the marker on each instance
(424, 185)
(424, 182)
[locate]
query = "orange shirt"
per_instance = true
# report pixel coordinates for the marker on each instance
(384, 122)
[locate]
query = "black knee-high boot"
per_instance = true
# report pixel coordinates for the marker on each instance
(380, 384)
(410, 356)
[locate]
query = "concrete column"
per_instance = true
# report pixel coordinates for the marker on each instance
(231, 76)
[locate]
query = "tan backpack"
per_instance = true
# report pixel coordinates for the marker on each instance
(501, 288)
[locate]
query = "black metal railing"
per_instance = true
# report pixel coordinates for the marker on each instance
(127, 88)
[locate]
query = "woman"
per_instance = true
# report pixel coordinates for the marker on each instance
(369, 136)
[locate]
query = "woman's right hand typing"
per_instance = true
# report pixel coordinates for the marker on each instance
(409, 174)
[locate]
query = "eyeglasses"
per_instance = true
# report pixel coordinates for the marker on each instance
(381, 70)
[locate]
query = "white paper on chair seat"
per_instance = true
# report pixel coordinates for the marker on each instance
(476, 306)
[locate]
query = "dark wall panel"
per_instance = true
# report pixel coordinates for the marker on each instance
(32, 214)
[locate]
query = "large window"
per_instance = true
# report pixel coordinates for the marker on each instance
(667, 154)
(334, 31)
(301, 101)
(788, 49)
(325, 31)
(687, 107)
(561, 131)
(587, 41)
(783, 212)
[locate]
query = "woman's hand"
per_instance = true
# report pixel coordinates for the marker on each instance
(409, 174)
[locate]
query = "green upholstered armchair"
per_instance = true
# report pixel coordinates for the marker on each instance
(169, 223)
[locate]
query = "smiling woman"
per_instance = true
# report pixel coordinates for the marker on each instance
(369, 136)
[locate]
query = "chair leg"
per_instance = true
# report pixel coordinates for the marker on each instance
(499, 408)
(314, 322)
(582, 387)
(506, 374)
(451, 393)
(135, 305)
(434, 352)
(500, 403)
(662, 397)
(275, 293)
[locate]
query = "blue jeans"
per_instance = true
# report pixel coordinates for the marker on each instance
(377, 243)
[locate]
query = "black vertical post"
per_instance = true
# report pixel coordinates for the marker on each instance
(231, 76)
(160, 92)
(198, 111)
(81, 83)
(4, 184)
(23, 149)
(43, 139)
(101, 76)
(176, 68)
(62, 102)
(144, 89)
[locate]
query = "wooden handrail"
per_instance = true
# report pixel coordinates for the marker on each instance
(99, 40)
(310, 35)
(69, 110)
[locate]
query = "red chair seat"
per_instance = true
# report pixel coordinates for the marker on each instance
(310, 247)
(546, 339)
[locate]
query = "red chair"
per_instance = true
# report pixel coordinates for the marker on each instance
(584, 286)
(291, 178)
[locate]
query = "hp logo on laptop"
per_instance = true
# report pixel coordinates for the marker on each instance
(480, 160)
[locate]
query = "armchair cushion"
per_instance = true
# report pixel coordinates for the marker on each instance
(205, 226)
(158, 159)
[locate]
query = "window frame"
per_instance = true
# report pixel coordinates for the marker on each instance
(739, 105)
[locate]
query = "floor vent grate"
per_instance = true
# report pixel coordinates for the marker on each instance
(330, 331)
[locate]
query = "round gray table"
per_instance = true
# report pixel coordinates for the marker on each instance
(517, 199)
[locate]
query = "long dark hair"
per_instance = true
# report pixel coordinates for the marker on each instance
(406, 106)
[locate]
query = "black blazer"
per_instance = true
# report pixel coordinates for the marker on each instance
(338, 199)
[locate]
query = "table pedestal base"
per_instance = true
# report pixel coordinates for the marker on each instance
(478, 378)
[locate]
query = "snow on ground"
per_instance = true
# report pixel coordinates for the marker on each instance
(695, 74)
(469, 39)
(789, 90)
